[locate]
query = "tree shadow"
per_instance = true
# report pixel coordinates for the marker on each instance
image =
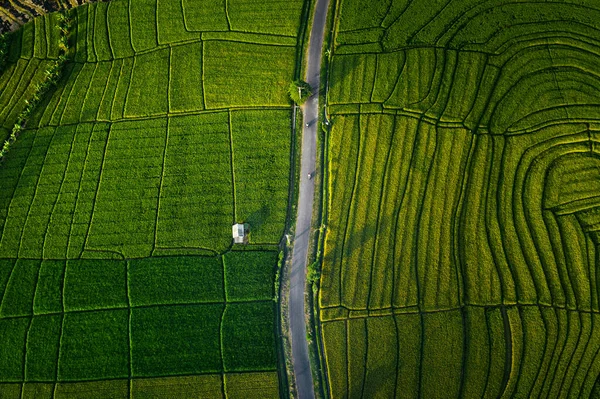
(257, 218)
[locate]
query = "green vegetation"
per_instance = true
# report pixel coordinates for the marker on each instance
(172, 340)
(149, 129)
(460, 258)
(252, 385)
(175, 280)
(299, 91)
(248, 336)
(249, 275)
(94, 345)
(95, 284)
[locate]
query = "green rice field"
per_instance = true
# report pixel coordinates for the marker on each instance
(118, 273)
(461, 253)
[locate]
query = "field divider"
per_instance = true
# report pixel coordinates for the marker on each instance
(87, 91)
(62, 180)
(12, 100)
(35, 192)
(129, 84)
(160, 187)
(352, 195)
(227, 14)
(112, 65)
(87, 233)
(155, 305)
(382, 190)
(202, 50)
(83, 170)
(221, 344)
(114, 96)
(169, 80)
(128, 293)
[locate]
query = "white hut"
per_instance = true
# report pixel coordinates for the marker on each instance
(239, 234)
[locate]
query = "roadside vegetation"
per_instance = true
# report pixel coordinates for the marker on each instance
(160, 130)
(460, 258)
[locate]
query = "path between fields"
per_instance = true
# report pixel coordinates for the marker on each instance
(300, 360)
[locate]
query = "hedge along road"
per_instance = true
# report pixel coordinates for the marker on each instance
(300, 360)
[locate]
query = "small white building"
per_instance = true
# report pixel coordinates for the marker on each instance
(239, 234)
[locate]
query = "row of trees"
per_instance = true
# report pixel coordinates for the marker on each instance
(51, 76)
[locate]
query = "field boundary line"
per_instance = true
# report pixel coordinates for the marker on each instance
(25, 350)
(83, 170)
(172, 114)
(382, 191)
(37, 183)
(169, 80)
(65, 100)
(129, 84)
(202, 49)
(12, 197)
(19, 100)
(87, 234)
(350, 208)
(129, 339)
(145, 306)
(162, 178)
(62, 328)
(221, 344)
(7, 109)
(112, 65)
(87, 92)
(114, 96)
(62, 180)
(227, 14)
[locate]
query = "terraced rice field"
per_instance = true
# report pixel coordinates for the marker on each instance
(118, 277)
(461, 255)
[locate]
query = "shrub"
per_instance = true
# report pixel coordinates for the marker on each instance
(299, 91)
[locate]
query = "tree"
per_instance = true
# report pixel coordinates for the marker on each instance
(299, 91)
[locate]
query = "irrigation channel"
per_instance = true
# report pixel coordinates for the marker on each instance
(300, 359)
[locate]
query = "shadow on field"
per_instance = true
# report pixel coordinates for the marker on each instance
(356, 239)
(374, 383)
(258, 217)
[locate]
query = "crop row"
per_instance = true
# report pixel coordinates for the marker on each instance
(139, 342)
(234, 385)
(551, 353)
(39, 39)
(512, 92)
(163, 81)
(120, 29)
(137, 186)
(17, 86)
(491, 216)
(33, 287)
(469, 24)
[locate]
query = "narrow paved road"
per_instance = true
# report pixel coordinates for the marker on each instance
(300, 360)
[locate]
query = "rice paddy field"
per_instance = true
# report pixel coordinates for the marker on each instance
(462, 250)
(118, 276)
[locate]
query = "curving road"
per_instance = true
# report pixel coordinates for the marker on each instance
(300, 360)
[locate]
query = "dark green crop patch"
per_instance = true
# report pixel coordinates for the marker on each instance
(43, 339)
(94, 345)
(12, 338)
(248, 334)
(49, 290)
(175, 280)
(95, 284)
(18, 296)
(249, 275)
(172, 340)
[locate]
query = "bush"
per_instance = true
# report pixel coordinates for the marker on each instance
(299, 91)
